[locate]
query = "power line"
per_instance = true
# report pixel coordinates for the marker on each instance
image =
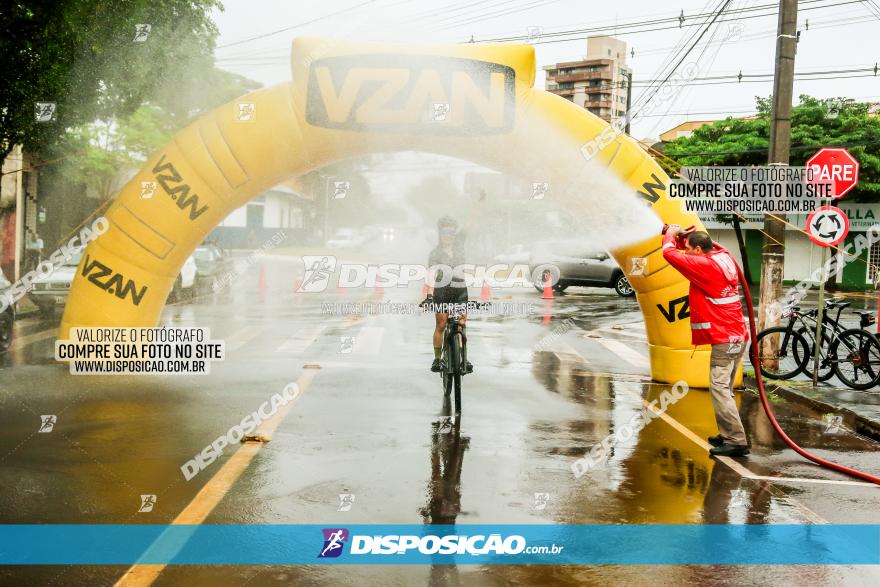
(296, 26)
(651, 30)
(283, 56)
(488, 16)
(769, 33)
(738, 78)
(619, 28)
(674, 21)
(686, 53)
(873, 8)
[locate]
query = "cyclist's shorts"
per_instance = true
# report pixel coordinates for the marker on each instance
(451, 295)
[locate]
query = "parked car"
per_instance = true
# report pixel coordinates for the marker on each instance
(517, 255)
(344, 238)
(211, 263)
(50, 291)
(184, 285)
(572, 263)
(7, 318)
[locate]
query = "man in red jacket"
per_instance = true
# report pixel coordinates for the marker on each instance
(716, 319)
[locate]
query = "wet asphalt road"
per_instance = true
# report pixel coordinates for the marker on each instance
(372, 423)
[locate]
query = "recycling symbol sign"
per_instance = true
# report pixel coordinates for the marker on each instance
(827, 226)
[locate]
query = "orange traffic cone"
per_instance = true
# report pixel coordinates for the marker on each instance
(263, 284)
(486, 292)
(425, 291)
(548, 288)
(548, 312)
(380, 290)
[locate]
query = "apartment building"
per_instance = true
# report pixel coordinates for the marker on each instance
(598, 82)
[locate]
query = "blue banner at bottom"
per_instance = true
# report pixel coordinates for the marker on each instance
(108, 544)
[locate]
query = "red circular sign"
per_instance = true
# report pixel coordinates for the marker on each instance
(827, 226)
(837, 166)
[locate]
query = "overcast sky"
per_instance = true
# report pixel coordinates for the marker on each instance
(841, 34)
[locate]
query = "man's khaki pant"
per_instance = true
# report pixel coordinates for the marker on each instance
(722, 364)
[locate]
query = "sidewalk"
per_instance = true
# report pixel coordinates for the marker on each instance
(860, 409)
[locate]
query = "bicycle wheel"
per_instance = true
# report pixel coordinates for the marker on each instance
(457, 367)
(856, 357)
(791, 350)
(445, 375)
(826, 360)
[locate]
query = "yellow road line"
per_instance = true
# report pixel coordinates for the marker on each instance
(241, 337)
(22, 341)
(142, 575)
(637, 360)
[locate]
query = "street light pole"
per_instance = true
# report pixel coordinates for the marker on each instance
(773, 257)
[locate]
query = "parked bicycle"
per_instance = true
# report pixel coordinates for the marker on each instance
(853, 354)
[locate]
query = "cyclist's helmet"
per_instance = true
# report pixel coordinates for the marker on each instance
(447, 225)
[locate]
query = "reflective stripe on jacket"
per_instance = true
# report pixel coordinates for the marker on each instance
(715, 306)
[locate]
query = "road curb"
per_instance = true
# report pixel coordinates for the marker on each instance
(861, 424)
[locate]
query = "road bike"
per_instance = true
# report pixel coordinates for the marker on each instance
(453, 355)
(853, 354)
(453, 351)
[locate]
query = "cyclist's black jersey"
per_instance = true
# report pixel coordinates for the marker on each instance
(443, 260)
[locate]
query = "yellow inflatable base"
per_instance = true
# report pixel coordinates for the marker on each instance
(670, 365)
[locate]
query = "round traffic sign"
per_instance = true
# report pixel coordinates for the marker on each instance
(836, 167)
(827, 226)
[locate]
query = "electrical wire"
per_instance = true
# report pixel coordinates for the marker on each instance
(672, 21)
(708, 26)
(619, 28)
(296, 26)
(873, 8)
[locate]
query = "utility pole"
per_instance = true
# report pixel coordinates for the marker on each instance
(773, 257)
(629, 98)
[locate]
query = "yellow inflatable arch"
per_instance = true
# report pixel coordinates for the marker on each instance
(349, 99)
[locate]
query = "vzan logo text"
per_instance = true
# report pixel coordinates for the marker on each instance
(173, 185)
(684, 310)
(95, 271)
(394, 93)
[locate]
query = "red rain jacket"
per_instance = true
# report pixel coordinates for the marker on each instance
(715, 307)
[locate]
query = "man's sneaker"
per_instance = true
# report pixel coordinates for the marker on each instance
(435, 366)
(729, 450)
(717, 440)
(468, 367)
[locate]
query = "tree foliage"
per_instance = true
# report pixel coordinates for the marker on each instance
(815, 123)
(82, 55)
(102, 153)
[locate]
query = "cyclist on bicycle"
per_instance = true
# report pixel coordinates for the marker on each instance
(445, 268)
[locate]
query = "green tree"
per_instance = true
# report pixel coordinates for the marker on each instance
(101, 153)
(83, 56)
(815, 123)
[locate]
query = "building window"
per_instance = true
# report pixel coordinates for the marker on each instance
(873, 262)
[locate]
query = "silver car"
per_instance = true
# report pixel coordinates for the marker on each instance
(50, 291)
(572, 263)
